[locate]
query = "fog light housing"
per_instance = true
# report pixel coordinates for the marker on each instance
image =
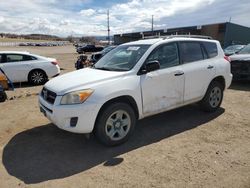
(73, 121)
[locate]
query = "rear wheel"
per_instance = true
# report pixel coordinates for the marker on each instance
(213, 97)
(115, 124)
(3, 96)
(37, 77)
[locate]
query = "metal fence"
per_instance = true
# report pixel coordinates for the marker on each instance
(9, 43)
(49, 43)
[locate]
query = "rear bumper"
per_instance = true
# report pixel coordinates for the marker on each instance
(53, 71)
(56, 75)
(228, 80)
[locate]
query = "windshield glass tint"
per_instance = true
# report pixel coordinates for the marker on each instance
(122, 58)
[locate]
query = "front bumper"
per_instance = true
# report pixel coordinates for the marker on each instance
(61, 115)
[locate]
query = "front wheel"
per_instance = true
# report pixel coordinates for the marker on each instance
(213, 97)
(115, 124)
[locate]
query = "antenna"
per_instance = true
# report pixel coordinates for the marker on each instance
(108, 28)
(152, 25)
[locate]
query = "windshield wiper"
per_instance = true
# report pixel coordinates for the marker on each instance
(103, 68)
(109, 68)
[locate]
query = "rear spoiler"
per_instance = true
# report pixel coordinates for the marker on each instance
(10, 82)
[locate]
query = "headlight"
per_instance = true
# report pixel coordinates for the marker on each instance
(76, 97)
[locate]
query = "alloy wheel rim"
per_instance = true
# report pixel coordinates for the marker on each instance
(37, 77)
(215, 97)
(118, 125)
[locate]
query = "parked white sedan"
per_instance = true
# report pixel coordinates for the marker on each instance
(23, 67)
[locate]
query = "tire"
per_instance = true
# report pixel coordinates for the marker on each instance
(115, 124)
(37, 77)
(213, 97)
(3, 96)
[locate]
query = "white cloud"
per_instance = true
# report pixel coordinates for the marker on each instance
(1, 19)
(87, 12)
(64, 17)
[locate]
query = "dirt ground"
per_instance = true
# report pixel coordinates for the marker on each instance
(179, 148)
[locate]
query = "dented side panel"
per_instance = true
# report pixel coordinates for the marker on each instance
(161, 90)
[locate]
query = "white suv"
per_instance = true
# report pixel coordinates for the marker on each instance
(136, 80)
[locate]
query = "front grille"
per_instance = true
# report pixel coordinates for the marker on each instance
(240, 66)
(48, 95)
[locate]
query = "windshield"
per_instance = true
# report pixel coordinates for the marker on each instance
(122, 58)
(234, 48)
(245, 50)
(107, 49)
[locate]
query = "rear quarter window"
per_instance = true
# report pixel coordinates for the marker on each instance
(28, 58)
(191, 51)
(211, 49)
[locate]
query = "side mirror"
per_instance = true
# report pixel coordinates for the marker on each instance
(149, 67)
(152, 66)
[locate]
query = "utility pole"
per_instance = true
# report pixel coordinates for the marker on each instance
(152, 29)
(108, 29)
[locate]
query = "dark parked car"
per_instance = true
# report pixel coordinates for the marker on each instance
(230, 50)
(98, 55)
(89, 48)
(240, 64)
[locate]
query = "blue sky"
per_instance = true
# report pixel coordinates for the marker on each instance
(88, 17)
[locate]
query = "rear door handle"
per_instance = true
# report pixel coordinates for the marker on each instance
(179, 73)
(210, 67)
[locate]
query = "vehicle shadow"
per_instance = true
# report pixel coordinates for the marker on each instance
(45, 153)
(240, 85)
(23, 85)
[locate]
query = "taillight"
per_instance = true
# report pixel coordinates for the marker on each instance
(227, 58)
(54, 62)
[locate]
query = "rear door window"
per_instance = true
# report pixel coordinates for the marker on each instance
(14, 57)
(18, 57)
(211, 49)
(191, 51)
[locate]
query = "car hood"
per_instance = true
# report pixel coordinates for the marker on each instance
(81, 79)
(244, 57)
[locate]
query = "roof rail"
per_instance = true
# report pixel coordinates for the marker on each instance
(154, 37)
(175, 36)
(188, 36)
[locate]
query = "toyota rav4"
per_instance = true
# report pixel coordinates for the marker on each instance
(134, 81)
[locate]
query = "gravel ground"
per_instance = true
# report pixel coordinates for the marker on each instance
(179, 148)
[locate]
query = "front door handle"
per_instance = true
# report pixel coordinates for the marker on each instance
(210, 67)
(178, 73)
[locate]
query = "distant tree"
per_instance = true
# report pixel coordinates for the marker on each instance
(70, 39)
(90, 40)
